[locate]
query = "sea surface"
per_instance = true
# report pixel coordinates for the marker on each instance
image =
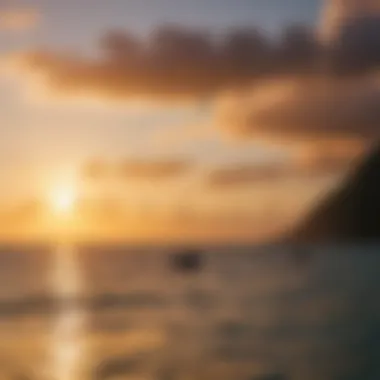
(249, 313)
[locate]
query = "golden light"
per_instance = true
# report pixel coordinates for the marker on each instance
(62, 200)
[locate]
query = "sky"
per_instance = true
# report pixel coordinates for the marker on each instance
(157, 98)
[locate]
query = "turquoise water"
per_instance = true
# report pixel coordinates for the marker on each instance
(250, 314)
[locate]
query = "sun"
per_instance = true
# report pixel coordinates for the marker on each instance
(62, 200)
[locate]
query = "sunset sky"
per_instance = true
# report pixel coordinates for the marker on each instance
(155, 112)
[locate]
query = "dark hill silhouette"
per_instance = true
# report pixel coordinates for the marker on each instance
(351, 213)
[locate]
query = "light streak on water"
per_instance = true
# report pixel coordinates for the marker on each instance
(68, 344)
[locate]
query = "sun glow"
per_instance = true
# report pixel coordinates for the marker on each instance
(62, 200)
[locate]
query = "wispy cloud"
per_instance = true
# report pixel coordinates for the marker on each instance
(305, 110)
(154, 170)
(307, 164)
(147, 169)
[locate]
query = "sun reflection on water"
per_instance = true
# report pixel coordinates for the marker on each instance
(68, 343)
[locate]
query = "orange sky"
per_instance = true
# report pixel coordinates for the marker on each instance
(165, 132)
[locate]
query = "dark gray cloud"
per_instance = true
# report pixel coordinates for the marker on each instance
(356, 48)
(175, 61)
(301, 88)
(338, 98)
(336, 13)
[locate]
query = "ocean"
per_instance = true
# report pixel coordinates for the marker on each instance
(249, 313)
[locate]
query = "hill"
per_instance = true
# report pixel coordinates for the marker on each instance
(351, 213)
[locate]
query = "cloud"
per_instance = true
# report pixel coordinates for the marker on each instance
(337, 13)
(19, 19)
(154, 169)
(291, 88)
(307, 164)
(244, 174)
(175, 62)
(357, 48)
(314, 109)
(339, 99)
(177, 138)
(349, 30)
